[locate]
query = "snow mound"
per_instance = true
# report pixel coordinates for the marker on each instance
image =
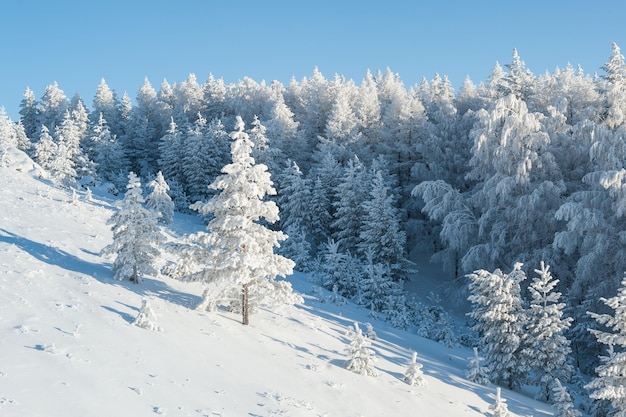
(13, 158)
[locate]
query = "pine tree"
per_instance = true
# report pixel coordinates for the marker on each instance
(414, 375)
(500, 319)
(146, 319)
(563, 401)
(499, 407)
(29, 114)
(547, 348)
(381, 231)
(361, 357)
(239, 250)
(135, 236)
(475, 371)
(159, 201)
(45, 149)
(294, 197)
(611, 379)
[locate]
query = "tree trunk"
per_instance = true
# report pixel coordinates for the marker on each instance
(245, 305)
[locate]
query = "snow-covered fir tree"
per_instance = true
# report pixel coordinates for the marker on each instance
(135, 236)
(610, 382)
(562, 401)
(45, 149)
(159, 200)
(414, 376)
(238, 253)
(146, 319)
(547, 349)
(475, 371)
(499, 407)
(360, 357)
(339, 271)
(499, 321)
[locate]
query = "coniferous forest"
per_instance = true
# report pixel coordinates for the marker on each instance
(516, 184)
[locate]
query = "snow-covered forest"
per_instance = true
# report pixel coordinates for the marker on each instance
(516, 184)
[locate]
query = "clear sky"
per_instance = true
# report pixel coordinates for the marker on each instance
(76, 43)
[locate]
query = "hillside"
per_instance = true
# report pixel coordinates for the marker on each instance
(68, 348)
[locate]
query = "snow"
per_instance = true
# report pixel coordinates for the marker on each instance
(68, 346)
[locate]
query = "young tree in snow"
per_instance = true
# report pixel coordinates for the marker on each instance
(159, 201)
(499, 407)
(135, 236)
(361, 357)
(547, 348)
(563, 401)
(475, 371)
(500, 321)
(239, 250)
(414, 375)
(146, 319)
(611, 379)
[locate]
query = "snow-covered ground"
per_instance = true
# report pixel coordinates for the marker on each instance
(68, 346)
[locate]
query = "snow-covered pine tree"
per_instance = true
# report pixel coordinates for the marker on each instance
(297, 247)
(135, 236)
(499, 320)
(337, 272)
(238, 251)
(361, 357)
(45, 149)
(414, 375)
(547, 348)
(563, 401)
(294, 197)
(381, 233)
(146, 319)
(611, 380)
(499, 407)
(475, 371)
(159, 201)
(376, 284)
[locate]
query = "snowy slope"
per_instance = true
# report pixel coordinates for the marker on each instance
(68, 348)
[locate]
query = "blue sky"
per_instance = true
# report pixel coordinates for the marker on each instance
(76, 43)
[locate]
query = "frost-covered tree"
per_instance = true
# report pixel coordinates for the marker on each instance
(338, 271)
(146, 319)
(238, 252)
(475, 371)
(52, 107)
(29, 114)
(106, 104)
(107, 153)
(135, 236)
(499, 407)
(360, 357)
(611, 380)
(159, 200)
(45, 149)
(563, 401)
(375, 284)
(547, 349)
(294, 197)
(499, 320)
(351, 192)
(381, 232)
(613, 90)
(414, 376)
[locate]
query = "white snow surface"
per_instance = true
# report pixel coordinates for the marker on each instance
(68, 346)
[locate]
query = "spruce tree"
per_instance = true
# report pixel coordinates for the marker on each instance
(611, 380)
(414, 376)
(499, 321)
(238, 252)
(547, 348)
(135, 236)
(563, 401)
(159, 201)
(361, 357)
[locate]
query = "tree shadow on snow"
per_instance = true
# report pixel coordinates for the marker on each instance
(53, 256)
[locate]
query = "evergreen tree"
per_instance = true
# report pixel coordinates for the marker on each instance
(45, 149)
(352, 191)
(613, 90)
(499, 407)
(52, 107)
(337, 271)
(106, 104)
(414, 375)
(499, 321)
(159, 201)
(294, 197)
(107, 154)
(547, 348)
(239, 250)
(381, 231)
(29, 114)
(135, 236)
(611, 380)
(376, 283)
(361, 357)
(475, 371)
(563, 401)
(146, 319)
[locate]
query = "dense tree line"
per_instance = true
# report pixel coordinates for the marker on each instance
(519, 168)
